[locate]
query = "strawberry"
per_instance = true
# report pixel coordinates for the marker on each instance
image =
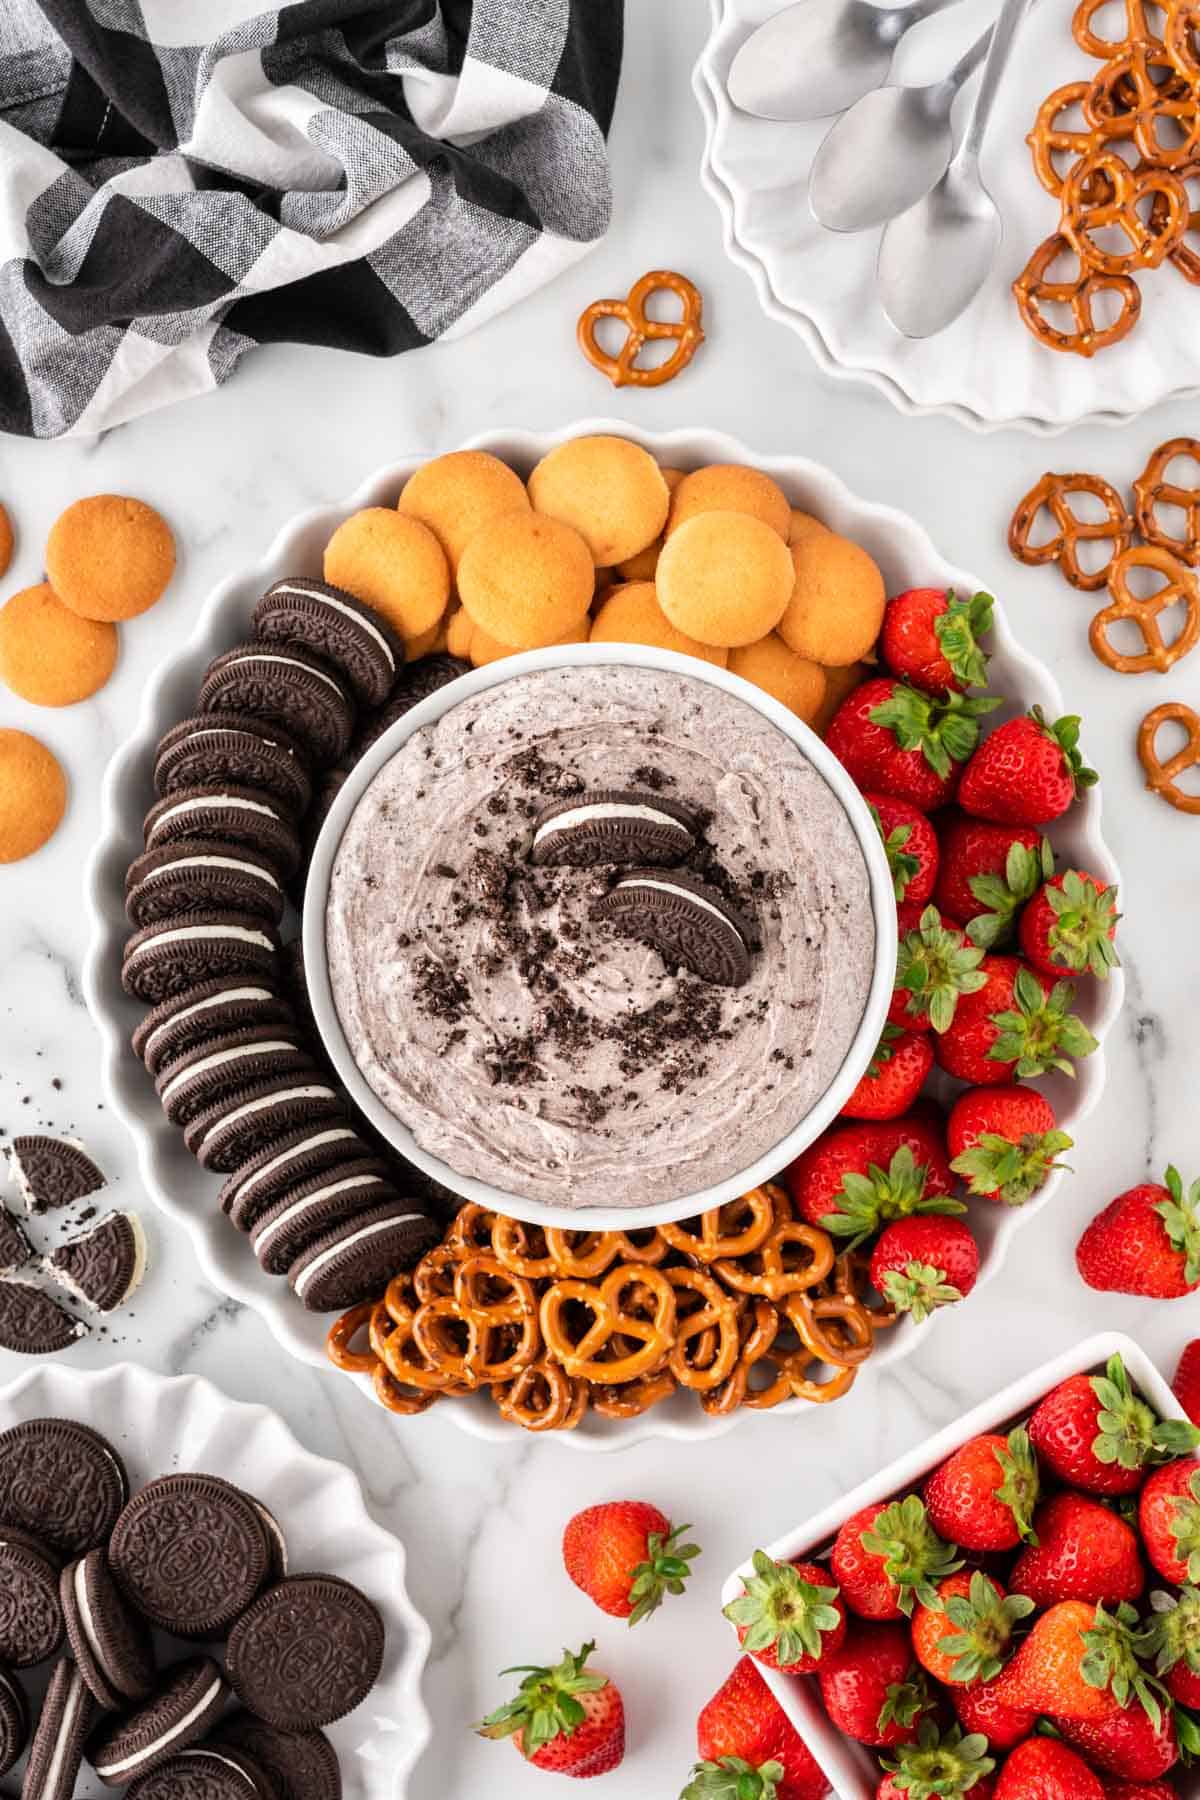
(934, 966)
(1172, 1638)
(1082, 1551)
(1169, 1520)
(733, 1778)
(1070, 925)
(626, 1556)
(911, 844)
(894, 1078)
(743, 1722)
(931, 638)
(1080, 1662)
(1127, 1743)
(788, 1615)
(1183, 1685)
(939, 1763)
(982, 1497)
(858, 1176)
(568, 1718)
(1027, 772)
(1139, 1790)
(1015, 1026)
(1043, 1769)
(887, 1557)
(872, 1689)
(924, 1262)
(980, 1709)
(1186, 1385)
(895, 740)
(1004, 1142)
(987, 872)
(1093, 1432)
(1146, 1241)
(968, 1637)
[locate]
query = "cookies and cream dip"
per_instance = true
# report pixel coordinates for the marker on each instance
(527, 1041)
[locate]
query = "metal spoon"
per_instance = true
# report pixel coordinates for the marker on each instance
(888, 150)
(818, 57)
(934, 258)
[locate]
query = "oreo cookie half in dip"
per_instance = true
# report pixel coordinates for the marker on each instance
(687, 921)
(103, 1267)
(211, 1010)
(614, 825)
(417, 681)
(31, 1625)
(226, 814)
(62, 1480)
(15, 1248)
(57, 1749)
(108, 1639)
(191, 1083)
(218, 748)
(360, 645)
(283, 687)
(51, 1172)
(188, 1702)
(202, 875)
(270, 1657)
(190, 1553)
(179, 953)
(32, 1324)
(14, 1722)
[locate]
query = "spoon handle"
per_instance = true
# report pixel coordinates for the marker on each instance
(969, 61)
(1003, 38)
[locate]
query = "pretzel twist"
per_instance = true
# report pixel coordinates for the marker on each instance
(795, 1256)
(1152, 490)
(1162, 778)
(1150, 239)
(706, 1342)
(1034, 291)
(1053, 493)
(732, 1230)
(686, 331)
(1137, 29)
(584, 1356)
(1179, 585)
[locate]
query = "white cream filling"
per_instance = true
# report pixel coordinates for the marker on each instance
(604, 811)
(285, 587)
(261, 1104)
(66, 1733)
(333, 1136)
(211, 862)
(365, 1231)
(667, 887)
(204, 1753)
(255, 737)
(263, 1235)
(136, 1274)
(240, 934)
(163, 1738)
(206, 800)
(218, 1061)
(197, 1006)
(83, 1606)
(290, 662)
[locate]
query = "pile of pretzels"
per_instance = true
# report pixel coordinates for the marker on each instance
(745, 1306)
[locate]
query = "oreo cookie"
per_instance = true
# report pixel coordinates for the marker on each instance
(108, 1639)
(356, 1260)
(416, 682)
(15, 1249)
(198, 1079)
(228, 1135)
(316, 1206)
(207, 1771)
(202, 875)
(277, 1550)
(190, 1553)
(344, 633)
(32, 1324)
(218, 748)
(63, 1481)
(281, 1165)
(57, 1749)
(175, 954)
(226, 815)
(31, 1621)
(303, 1764)
(52, 1171)
(102, 1267)
(283, 687)
(14, 1722)
(614, 825)
(186, 1704)
(687, 921)
(199, 1014)
(307, 1652)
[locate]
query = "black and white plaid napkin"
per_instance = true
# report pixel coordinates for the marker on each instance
(183, 179)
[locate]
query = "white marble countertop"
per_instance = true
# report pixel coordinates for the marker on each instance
(296, 426)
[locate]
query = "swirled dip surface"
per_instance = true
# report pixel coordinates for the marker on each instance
(530, 1045)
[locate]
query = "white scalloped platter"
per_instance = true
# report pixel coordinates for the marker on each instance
(163, 1423)
(187, 1194)
(986, 370)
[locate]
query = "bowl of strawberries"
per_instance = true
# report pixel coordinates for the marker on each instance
(1012, 1611)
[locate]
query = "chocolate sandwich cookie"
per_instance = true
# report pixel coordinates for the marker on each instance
(14, 1722)
(283, 687)
(358, 1258)
(226, 815)
(102, 1267)
(198, 1015)
(190, 1552)
(277, 1550)
(108, 1640)
(186, 1704)
(294, 981)
(687, 921)
(218, 748)
(15, 1248)
(307, 1652)
(202, 875)
(51, 1172)
(208, 1771)
(344, 634)
(416, 682)
(228, 1135)
(175, 954)
(281, 1165)
(316, 1206)
(63, 1481)
(304, 1764)
(57, 1748)
(198, 1079)
(614, 825)
(31, 1621)
(32, 1324)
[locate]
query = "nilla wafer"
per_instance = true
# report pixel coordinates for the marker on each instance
(459, 626)
(109, 557)
(484, 648)
(631, 615)
(803, 525)
(730, 487)
(794, 681)
(611, 491)
(641, 567)
(836, 608)
(49, 654)
(526, 579)
(393, 563)
(724, 578)
(457, 494)
(33, 795)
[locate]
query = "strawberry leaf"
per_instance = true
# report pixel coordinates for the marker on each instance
(919, 1289)
(1019, 1489)
(1110, 1662)
(1085, 916)
(1011, 1171)
(664, 1572)
(958, 631)
(1004, 895)
(867, 1202)
(1041, 1033)
(1172, 1633)
(545, 1707)
(1185, 1528)
(945, 730)
(732, 1778)
(934, 965)
(914, 1557)
(1065, 733)
(906, 1700)
(937, 1765)
(779, 1610)
(984, 1622)
(1180, 1215)
(902, 864)
(1130, 1433)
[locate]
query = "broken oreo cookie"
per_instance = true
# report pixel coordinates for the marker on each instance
(51, 1172)
(32, 1324)
(614, 825)
(103, 1266)
(15, 1248)
(687, 921)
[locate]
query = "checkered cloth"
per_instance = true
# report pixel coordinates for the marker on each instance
(183, 179)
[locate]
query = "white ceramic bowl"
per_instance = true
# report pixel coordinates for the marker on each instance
(163, 1423)
(183, 1190)
(852, 1769)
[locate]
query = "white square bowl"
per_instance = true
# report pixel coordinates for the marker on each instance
(852, 1768)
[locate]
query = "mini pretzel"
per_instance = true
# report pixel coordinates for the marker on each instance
(727, 1231)
(635, 1397)
(1179, 585)
(342, 1333)
(622, 369)
(801, 1385)
(610, 1316)
(434, 1274)
(1152, 490)
(1049, 139)
(835, 1328)
(1033, 290)
(1127, 101)
(583, 1255)
(391, 1331)
(1181, 38)
(852, 1280)
(398, 1398)
(1162, 778)
(491, 1296)
(522, 1248)
(471, 1229)
(1150, 239)
(1053, 492)
(795, 1256)
(542, 1397)
(1136, 23)
(707, 1340)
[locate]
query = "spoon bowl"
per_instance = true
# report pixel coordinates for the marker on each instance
(935, 257)
(816, 58)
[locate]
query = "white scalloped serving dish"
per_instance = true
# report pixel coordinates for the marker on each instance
(183, 1190)
(163, 1423)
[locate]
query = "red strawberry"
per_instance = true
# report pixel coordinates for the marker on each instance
(911, 844)
(980, 1709)
(986, 874)
(1129, 1742)
(939, 1763)
(894, 1078)
(887, 1557)
(1079, 1662)
(626, 1556)
(1043, 1769)
(1172, 1638)
(1069, 926)
(1093, 1432)
(1017, 1025)
(858, 1176)
(872, 1689)
(788, 1615)
(924, 1262)
(931, 638)
(1146, 1241)
(1082, 1552)
(969, 1635)
(1186, 1385)
(934, 966)
(982, 1497)
(895, 740)
(568, 1718)
(1027, 772)
(1139, 1790)
(1004, 1142)
(1169, 1518)
(1183, 1684)
(744, 1722)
